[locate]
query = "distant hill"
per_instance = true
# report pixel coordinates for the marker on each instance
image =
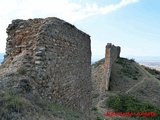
(96, 58)
(150, 61)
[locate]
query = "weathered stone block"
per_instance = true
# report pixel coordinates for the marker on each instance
(64, 73)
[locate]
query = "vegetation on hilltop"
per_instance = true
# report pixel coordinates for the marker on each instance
(96, 64)
(154, 72)
(126, 102)
(128, 69)
(129, 78)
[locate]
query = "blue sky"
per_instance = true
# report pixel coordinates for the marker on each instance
(132, 24)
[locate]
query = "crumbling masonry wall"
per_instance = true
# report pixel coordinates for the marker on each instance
(57, 59)
(101, 71)
(111, 54)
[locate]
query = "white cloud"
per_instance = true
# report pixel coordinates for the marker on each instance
(110, 8)
(61, 8)
(64, 9)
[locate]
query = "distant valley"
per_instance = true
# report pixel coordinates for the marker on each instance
(150, 61)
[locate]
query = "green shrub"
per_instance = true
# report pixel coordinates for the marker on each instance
(126, 102)
(96, 64)
(10, 102)
(94, 109)
(132, 60)
(135, 78)
(158, 77)
(98, 118)
(154, 72)
(128, 69)
(123, 61)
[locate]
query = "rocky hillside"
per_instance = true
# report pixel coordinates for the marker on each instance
(18, 105)
(129, 78)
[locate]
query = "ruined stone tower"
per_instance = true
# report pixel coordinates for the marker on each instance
(111, 54)
(56, 58)
(101, 71)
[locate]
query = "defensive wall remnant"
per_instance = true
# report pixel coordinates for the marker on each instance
(101, 74)
(111, 54)
(56, 58)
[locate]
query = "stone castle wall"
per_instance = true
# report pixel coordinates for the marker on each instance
(101, 73)
(57, 59)
(111, 54)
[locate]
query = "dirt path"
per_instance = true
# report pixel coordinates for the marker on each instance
(101, 109)
(136, 84)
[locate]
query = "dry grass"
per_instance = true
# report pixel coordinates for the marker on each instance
(17, 107)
